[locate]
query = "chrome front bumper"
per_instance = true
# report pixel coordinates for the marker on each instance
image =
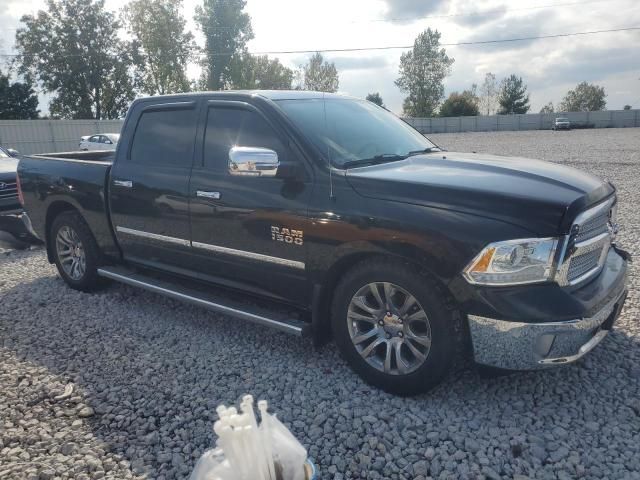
(528, 346)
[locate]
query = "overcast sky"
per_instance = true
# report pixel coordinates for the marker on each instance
(549, 66)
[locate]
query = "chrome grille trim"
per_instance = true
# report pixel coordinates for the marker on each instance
(8, 190)
(586, 247)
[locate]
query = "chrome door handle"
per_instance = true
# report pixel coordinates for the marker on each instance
(123, 183)
(212, 195)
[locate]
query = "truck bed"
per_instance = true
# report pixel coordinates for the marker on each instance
(50, 183)
(96, 155)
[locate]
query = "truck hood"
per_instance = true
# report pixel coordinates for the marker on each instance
(8, 167)
(539, 196)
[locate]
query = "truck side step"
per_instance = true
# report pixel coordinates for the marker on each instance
(207, 299)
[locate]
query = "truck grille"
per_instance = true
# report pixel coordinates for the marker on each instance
(581, 264)
(593, 227)
(587, 246)
(8, 190)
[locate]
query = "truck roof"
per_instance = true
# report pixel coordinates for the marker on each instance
(270, 94)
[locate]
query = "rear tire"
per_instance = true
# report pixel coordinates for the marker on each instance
(406, 347)
(75, 251)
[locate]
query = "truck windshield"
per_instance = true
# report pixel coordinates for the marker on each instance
(350, 131)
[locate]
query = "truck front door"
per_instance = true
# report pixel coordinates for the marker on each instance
(249, 229)
(149, 183)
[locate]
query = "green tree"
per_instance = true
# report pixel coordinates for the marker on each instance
(72, 49)
(18, 100)
(513, 96)
(422, 73)
(250, 72)
(489, 94)
(375, 98)
(320, 75)
(584, 98)
(227, 29)
(548, 108)
(162, 46)
(463, 104)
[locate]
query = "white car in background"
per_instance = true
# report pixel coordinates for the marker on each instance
(101, 141)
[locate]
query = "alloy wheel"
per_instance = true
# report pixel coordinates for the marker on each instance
(71, 253)
(389, 328)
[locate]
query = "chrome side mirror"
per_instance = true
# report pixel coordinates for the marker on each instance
(12, 152)
(253, 161)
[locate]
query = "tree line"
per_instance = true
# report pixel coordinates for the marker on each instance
(74, 51)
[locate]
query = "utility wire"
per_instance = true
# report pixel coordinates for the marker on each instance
(456, 44)
(392, 47)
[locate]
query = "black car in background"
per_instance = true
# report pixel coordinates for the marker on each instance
(12, 219)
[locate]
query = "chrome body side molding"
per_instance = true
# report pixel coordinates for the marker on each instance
(285, 262)
(250, 255)
(153, 236)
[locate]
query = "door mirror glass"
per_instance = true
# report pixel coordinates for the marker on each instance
(253, 161)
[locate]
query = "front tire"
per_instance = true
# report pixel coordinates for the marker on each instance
(75, 251)
(392, 325)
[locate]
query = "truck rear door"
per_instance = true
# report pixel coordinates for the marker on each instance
(149, 182)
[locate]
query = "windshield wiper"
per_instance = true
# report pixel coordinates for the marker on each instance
(424, 150)
(382, 158)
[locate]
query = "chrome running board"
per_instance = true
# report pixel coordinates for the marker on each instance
(206, 299)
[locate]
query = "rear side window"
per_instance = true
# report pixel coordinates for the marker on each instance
(228, 127)
(165, 137)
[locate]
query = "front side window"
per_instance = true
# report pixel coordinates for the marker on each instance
(228, 127)
(94, 139)
(348, 130)
(3, 154)
(165, 137)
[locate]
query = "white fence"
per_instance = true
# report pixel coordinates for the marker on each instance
(41, 136)
(528, 121)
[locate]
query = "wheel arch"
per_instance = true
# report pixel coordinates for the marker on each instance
(323, 291)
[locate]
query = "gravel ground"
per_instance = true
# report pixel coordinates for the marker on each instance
(148, 372)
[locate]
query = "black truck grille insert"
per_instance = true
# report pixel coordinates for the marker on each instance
(581, 264)
(593, 227)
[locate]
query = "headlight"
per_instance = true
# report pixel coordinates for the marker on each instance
(513, 262)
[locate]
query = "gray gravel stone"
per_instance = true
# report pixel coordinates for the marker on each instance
(86, 412)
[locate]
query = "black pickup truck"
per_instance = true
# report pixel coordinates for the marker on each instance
(326, 215)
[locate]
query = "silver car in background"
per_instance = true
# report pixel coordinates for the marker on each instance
(101, 141)
(561, 123)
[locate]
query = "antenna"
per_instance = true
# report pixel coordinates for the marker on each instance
(324, 109)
